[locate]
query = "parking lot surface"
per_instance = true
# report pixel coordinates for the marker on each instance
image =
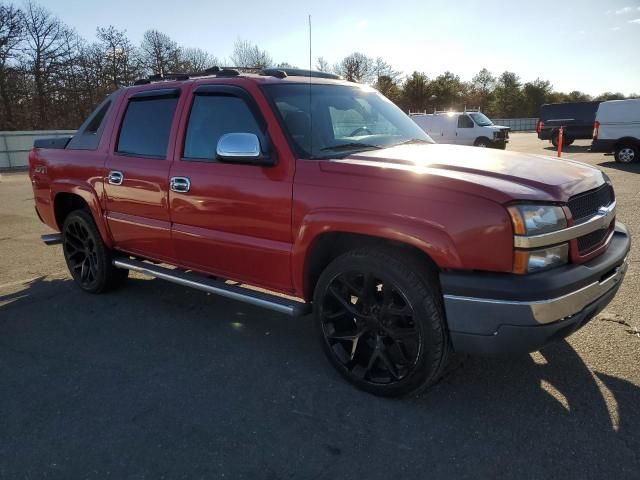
(159, 381)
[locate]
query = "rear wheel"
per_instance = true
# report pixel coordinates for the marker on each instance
(381, 322)
(555, 139)
(626, 153)
(87, 257)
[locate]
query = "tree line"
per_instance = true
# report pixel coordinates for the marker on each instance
(51, 78)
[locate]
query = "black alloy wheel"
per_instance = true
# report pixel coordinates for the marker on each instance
(369, 325)
(87, 257)
(80, 252)
(381, 323)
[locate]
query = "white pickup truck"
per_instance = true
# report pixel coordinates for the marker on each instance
(462, 128)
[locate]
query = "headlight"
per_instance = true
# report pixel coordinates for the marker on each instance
(536, 219)
(528, 261)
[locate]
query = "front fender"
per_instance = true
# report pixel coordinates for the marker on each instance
(90, 196)
(422, 234)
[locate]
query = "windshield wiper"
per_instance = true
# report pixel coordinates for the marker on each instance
(349, 146)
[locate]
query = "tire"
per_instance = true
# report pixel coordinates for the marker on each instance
(381, 322)
(87, 257)
(554, 139)
(627, 153)
(482, 142)
(567, 141)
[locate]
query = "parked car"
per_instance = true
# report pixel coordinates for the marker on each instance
(404, 250)
(576, 118)
(617, 129)
(463, 128)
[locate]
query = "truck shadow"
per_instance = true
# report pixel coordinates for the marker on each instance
(176, 375)
(570, 148)
(624, 167)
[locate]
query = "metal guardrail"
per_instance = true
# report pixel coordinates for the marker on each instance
(517, 124)
(15, 146)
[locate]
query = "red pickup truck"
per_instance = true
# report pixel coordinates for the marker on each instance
(327, 197)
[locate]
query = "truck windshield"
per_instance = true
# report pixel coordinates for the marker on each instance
(334, 121)
(481, 119)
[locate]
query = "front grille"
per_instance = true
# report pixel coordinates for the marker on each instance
(502, 134)
(589, 242)
(585, 205)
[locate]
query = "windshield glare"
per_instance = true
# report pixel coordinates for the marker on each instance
(481, 119)
(333, 121)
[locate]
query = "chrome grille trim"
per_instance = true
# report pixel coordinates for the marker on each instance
(602, 219)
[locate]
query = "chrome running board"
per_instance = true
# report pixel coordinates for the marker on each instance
(217, 287)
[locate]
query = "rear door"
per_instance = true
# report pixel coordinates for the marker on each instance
(234, 220)
(137, 178)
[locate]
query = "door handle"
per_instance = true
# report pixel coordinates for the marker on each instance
(180, 184)
(115, 177)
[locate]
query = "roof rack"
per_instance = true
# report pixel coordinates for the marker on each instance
(236, 71)
(298, 72)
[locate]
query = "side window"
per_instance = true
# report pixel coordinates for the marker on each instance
(146, 126)
(88, 135)
(464, 121)
(213, 116)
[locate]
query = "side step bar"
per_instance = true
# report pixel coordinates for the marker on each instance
(51, 238)
(199, 282)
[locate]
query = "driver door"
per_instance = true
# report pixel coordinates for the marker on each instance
(465, 132)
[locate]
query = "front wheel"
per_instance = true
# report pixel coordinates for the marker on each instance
(482, 142)
(626, 154)
(87, 257)
(381, 322)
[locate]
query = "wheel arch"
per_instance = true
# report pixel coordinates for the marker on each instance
(69, 197)
(627, 141)
(482, 137)
(319, 243)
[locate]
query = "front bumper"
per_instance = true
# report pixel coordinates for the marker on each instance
(491, 313)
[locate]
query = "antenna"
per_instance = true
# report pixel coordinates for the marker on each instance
(310, 104)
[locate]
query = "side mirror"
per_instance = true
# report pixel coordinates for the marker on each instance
(241, 148)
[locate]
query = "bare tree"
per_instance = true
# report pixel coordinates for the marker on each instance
(248, 55)
(197, 60)
(120, 55)
(46, 51)
(322, 65)
(11, 34)
(159, 53)
(380, 68)
(356, 67)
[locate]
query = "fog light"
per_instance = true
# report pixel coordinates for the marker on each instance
(528, 261)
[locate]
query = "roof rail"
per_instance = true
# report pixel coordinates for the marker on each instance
(299, 72)
(236, 71)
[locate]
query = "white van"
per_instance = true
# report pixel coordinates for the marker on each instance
(462, 128)
(617, 129)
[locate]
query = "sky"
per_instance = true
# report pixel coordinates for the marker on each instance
(592, 46)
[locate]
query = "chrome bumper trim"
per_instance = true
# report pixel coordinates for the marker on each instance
(601, 220)
(538, 311)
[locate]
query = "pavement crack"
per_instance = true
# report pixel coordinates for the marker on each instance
(614, 318)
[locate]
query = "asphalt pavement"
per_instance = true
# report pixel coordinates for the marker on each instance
(159, 381)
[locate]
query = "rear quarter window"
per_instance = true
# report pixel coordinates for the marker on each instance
(90, 132)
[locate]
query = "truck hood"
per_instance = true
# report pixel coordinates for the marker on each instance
(498, 175)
